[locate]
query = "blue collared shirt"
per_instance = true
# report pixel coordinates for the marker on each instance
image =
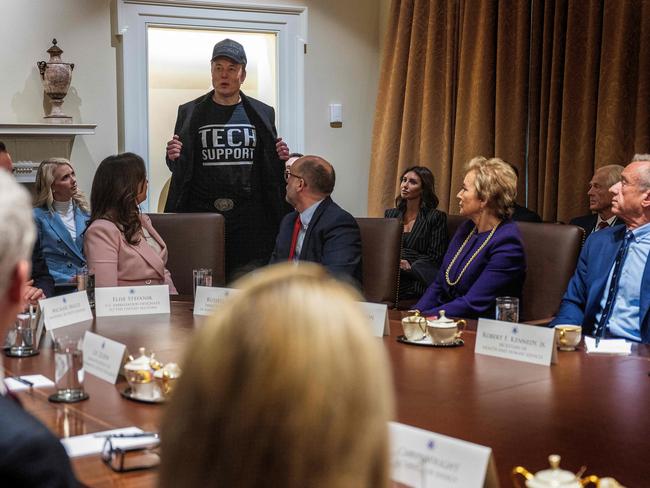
(624, 320)
(305, 219)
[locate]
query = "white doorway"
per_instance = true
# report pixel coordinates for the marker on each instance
(179, 71)
(166, 53)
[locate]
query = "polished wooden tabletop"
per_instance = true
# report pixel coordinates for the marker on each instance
(592, 410)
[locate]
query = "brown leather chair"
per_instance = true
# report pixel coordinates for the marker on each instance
(552, 252)
(551, 255)
(453, 222)
(194, 240)
(381, 245)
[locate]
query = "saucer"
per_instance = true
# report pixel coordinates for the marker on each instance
(427, 342)
(127, 392)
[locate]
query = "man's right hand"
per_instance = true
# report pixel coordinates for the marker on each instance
(174, 148)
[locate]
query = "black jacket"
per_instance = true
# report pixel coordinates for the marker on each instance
(268, 185)
(30, 455)
(588, 223)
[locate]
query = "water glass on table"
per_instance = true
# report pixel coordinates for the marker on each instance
(21, 340)
(507, 309)
(68, 370)
(201, 277)
(86, 281)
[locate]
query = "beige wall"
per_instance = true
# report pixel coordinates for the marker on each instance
(82, 29)
(341, 66)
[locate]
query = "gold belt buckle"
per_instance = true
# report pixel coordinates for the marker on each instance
(224, 204)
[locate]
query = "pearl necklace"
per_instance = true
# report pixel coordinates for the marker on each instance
(460, 249)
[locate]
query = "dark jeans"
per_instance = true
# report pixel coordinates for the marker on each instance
(250, 235)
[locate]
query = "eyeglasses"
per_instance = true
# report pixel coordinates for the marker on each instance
(123, 459)
(288, 173)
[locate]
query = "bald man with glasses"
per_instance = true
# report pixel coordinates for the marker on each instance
(318, 230)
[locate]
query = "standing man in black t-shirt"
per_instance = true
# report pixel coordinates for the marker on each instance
(225, 157)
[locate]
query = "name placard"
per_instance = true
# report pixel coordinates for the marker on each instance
(208, 298)
(423, 459)
(131, 300)
(65, 310)
(519, 342)
(377, 313)
(102, 357)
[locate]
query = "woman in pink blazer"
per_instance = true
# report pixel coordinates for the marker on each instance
(121, 245)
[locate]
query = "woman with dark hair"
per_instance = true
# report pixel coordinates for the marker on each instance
(122, 247)
(425, 231)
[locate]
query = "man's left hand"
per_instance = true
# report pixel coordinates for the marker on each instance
(282, 149)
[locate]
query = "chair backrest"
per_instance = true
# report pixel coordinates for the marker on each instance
(194, 240)
(381, 244)
(453, 222)
(552, 252)
(162, 199)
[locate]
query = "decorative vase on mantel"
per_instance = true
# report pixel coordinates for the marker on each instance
(56, 77)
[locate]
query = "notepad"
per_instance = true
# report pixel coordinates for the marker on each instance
(38, 380)
(608, 346)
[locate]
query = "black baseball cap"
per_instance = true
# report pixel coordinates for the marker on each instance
(229, 49)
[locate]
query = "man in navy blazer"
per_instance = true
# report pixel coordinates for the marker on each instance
(585, 299)
(318, 230)
(600, 201)
(30, 455)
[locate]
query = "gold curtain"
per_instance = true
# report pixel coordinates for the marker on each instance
(557, 88)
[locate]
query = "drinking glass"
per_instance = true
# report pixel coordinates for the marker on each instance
(507, 309)
(201, 277)
(68, 371)
(22, 340)
(86, 281)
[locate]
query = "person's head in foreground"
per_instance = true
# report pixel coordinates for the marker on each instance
(284, 386)
(488, 192)
(17, 233)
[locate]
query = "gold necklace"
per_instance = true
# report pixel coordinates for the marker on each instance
(460, 249)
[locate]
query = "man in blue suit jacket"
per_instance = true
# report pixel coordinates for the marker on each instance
(30, 455)
(318, 230)
(586, 297)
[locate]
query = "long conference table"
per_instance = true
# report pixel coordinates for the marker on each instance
(592, 410)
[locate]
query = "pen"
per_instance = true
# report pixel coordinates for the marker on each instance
(134, 434)
(597, 341)
(23, 381)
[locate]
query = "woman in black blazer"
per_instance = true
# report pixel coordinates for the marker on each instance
(424, 240)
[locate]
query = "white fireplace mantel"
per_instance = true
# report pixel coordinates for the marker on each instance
(30, 143)
(40, 129)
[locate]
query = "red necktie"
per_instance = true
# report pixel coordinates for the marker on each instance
(294, 237)
(603, 224)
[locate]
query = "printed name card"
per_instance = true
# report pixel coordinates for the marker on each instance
(65, 310)
(423, 459)
(131, 300)
(102, 357)
(208, 298)
(509, 340)
(377, 313)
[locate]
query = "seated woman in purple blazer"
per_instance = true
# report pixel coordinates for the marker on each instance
(121, 245)
(485, 258)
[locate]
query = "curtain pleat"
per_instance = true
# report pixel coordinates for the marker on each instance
(556, 88)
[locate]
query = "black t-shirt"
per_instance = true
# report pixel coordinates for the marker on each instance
(225, 143)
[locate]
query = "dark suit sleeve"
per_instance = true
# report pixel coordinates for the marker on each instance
(29, 454)
(40, 273)
(342, 247)
(180, 118)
